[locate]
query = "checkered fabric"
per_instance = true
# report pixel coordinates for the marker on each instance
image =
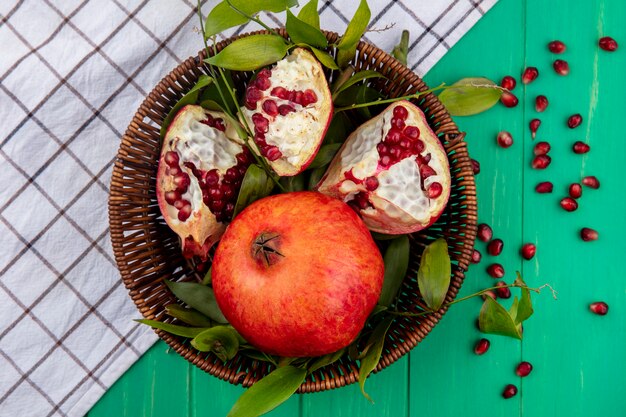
(72, 73)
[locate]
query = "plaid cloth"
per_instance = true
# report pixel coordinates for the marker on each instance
(72, 74)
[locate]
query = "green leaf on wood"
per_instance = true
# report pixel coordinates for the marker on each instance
(401, 50)
(190, 98)
(470, 96)
(302, 32)
(189, 316)
(183, 331)
(375, 343)
(250, 53)
(396, 264)
(221, 340)
(199, 297)
(348, 42)
(309, 14)
(269, 392)
(525, 307)
(495, 319)
(256, 185)
(433, 276)
(325, 154)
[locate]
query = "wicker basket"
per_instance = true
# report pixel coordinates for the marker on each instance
(147, 251)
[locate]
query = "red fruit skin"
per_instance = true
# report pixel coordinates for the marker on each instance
(608, 43)
(482, 346)
(316, 297)
(599, 307)
(508, 82)
(509, 99)
(528, 251)
(544, 187)
(557, 47)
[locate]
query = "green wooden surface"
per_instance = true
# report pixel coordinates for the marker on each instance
(579, 358)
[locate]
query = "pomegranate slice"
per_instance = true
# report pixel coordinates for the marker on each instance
(200, 171)
(289, 107)
(393, 171)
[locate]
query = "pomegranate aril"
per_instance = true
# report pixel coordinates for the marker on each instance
(273, 153)
(495, 271)
(599, 307)
(591, 182)
(569, 204)
(529, 75)
(503, 291)
(608, 43)
(400, 112)
(231, 175)
(508, 82)
(475, 166)
(261, 124)
(509, 99)
(182, 181)
(541, 161)
(270, 107)
(411, 132)
(308, 97)
(285, 109)
(528, 251)
(426, 171)
(523, 369)
(280, 92)
(397, 123)
(541, 148)
(544, 187)
(504, 139)
(171, 158)
(534, 125)
(580, 147)
(253, 94)
(588, 234)
(556, 47)
(575, 190)
(495, 247)
(371, 183)
(484, 232)
(172, 197)
(434, 190)
(509, 391)
(574, 121)
(482, 346)
(541, 103)
(262, 82)
(476, 256)
(184, 212)
(561, 67)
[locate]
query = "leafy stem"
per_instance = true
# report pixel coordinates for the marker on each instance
(253, 18)
(391, 100)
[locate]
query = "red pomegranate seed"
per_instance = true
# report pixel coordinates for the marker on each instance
(171, 158)
(541, 161)
(529, 75)
(580, 147)
(528, 251)
(371, 183)
(561, 67)
(608, 43)
(541, 103)
(495, 247)
(599, 307)
(574, 121)
(508, 82)
(544, 187)
(270, 107)
(484, 232)
(541, 148)
(172, 197)
(588, 234)
(475, 166)
(556, 47)
(495, 271)
(523, 369)
(569, 204)
(308, 97)
(273, 153)
(184, 212)
(182, 181)
(489, 293)
(591, 182)
(505, 139)
(575, 190)
(534, 125)
(503, 291)
(509, 391)
(285, 109)
(509, 99)
(481, 346)
(476, 256)
(434, 190)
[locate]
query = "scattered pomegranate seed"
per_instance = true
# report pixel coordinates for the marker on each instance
(608, 43)
(529, 75)
(476, 256)
(509, 391)
(528, 251)
(591, 182)
(541, 148)
(569, 204)
(588, 234)
(544, 187)
(481, 346)
(484, 232)
(490, 294)
(574, 121)
(575, 190)
(505, 139)
(541, 103)
(475, 166)
(534, 125)
(599, 307)
(508, 82)
(561, 67)
(580, 147)
(523, 369)
(541, 161)
(556, 47)
(495, 271)
(495, 247)
(503, 291)
(509, 99)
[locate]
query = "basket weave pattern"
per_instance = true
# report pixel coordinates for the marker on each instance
(147, 251)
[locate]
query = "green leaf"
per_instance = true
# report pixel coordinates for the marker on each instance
(382, 236)
(376, 342)
(326, 360)
(187, 315)
(525, 309)
(433, 276)
(221, 340)
(211, 98)
(309, 15)
(190, 98)
(396, 264)
(199, 297)
(183, 331)
(223, 16)
(207, 278)
(357, 77)
(315, 177)
(256, 185)
(495, 319)
(348, 42)
(253, 353)
(250, 53)
(302, 32)
(295, 183)
(470, 96)
(401, 50)
(324, 155)
(269, 392)
(324, 58)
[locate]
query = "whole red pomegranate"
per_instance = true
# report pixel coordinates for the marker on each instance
(297, 274)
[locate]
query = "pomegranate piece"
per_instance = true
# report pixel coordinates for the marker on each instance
(289, 107)
(544, 187)
(575, 190)
(588, 234)
(523, 369)
(561, 67)
(509, 391)
(541, 148)
(504, 139)
(574, 121)
(495, 270)
(475, 166)
(484, 232)
(528, 251)
(591, 182)
(599, 307)
(509, 99)
(408, 163)
(541, 104)
(608, 44)
(556, 47)
(482, 346)
(503, 291)
(580, 147)
(508, 82)
(541, 162)
(495, 247)
(200, 172)
(569, 204)
(529, 75)
(476, 256)
(534, 125)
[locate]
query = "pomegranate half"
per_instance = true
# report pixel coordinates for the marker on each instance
(393, 171)
(297, 274)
